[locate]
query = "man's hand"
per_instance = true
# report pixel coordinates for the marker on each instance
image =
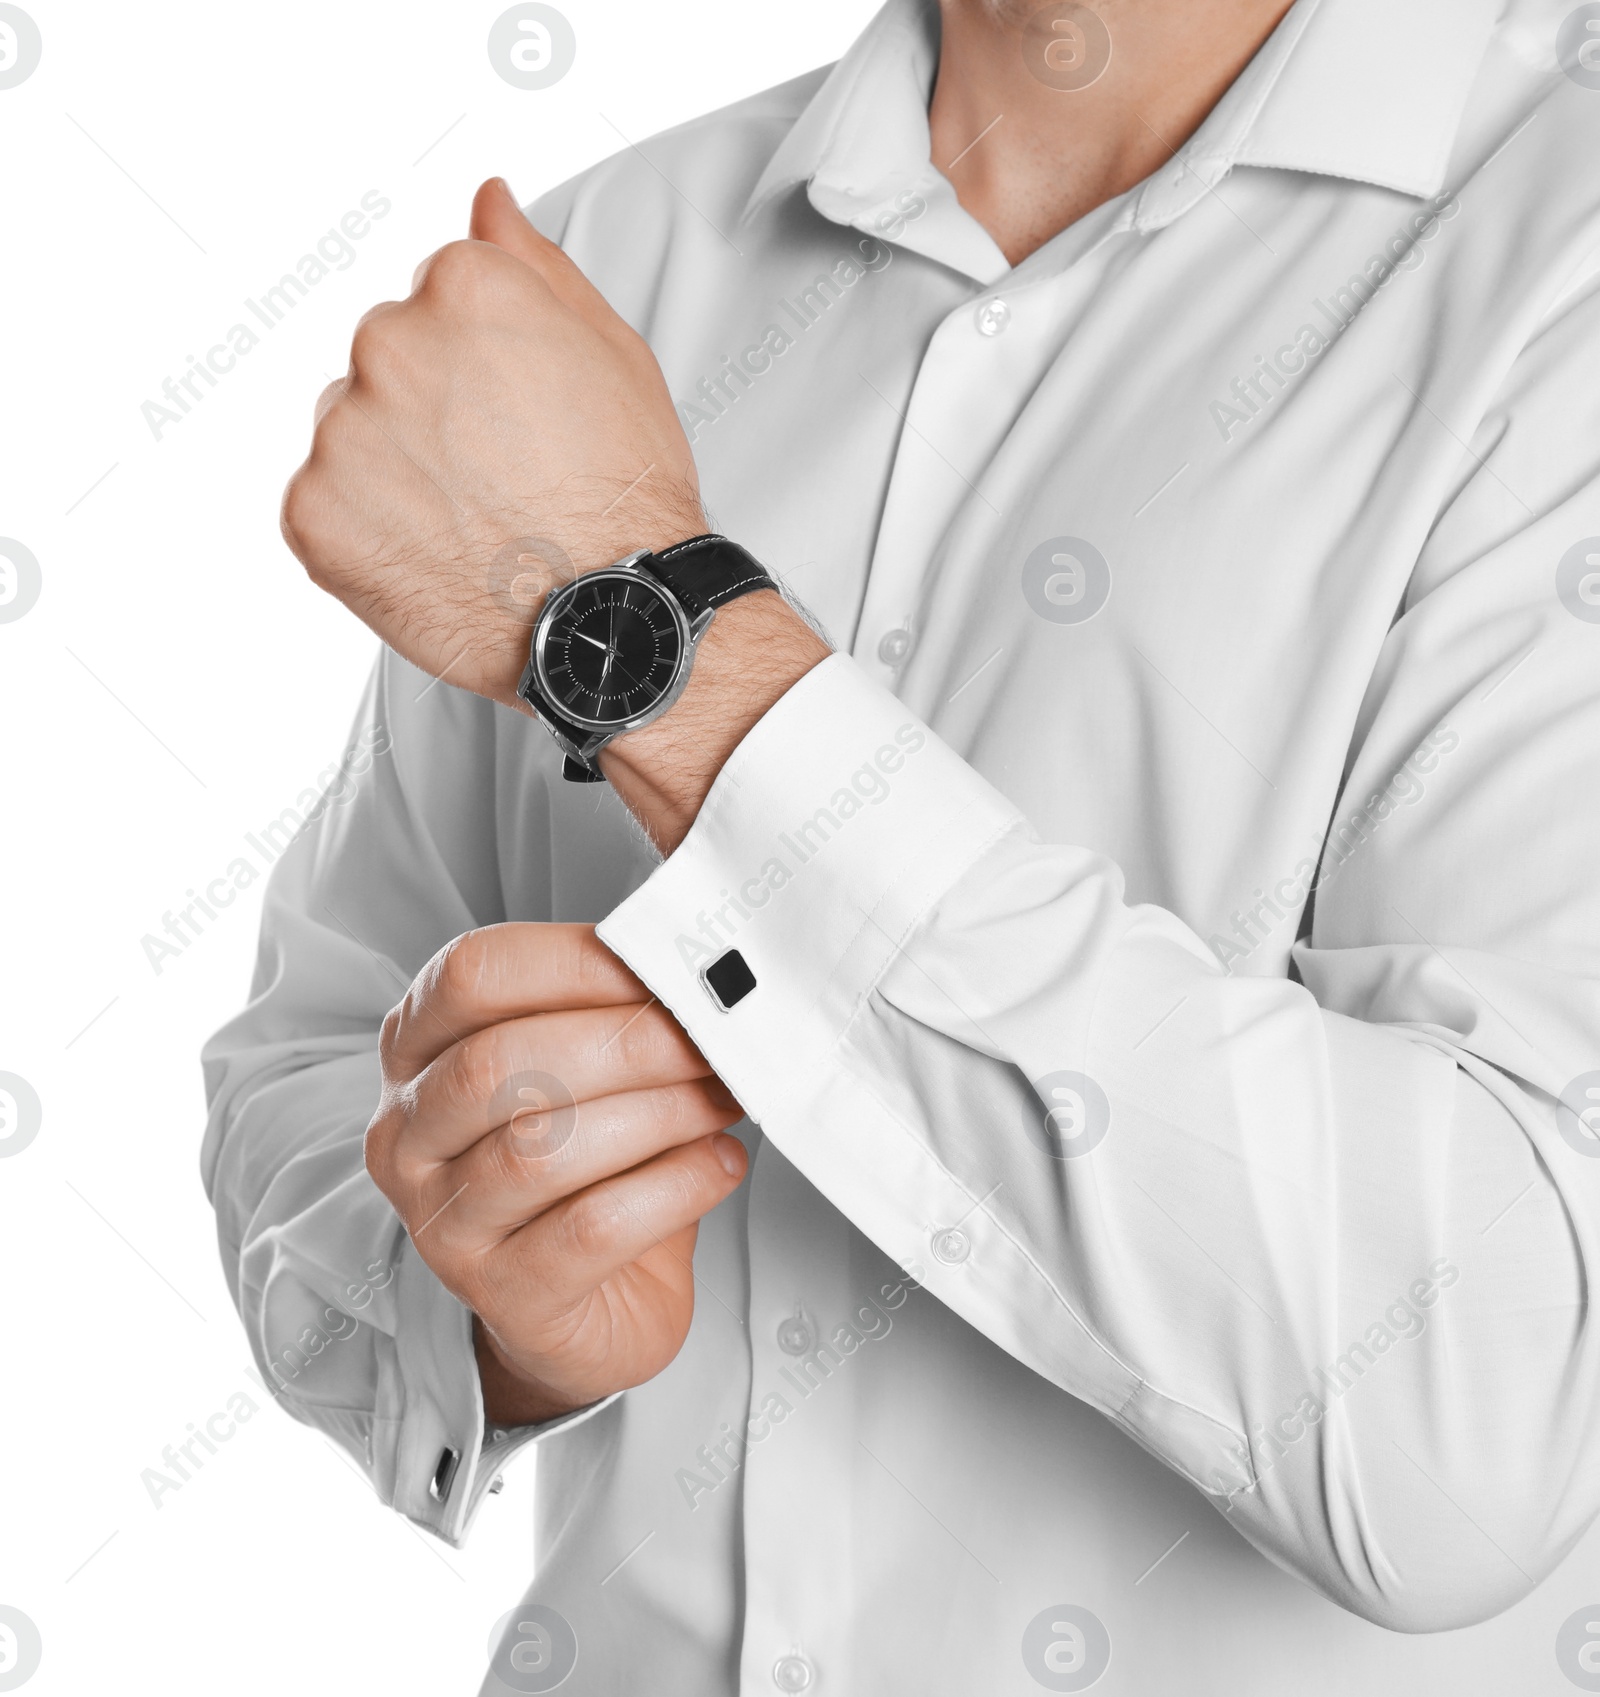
(551, 1139)
(503, 399)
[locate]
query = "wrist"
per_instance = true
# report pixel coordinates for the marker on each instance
(527, 572)
(510, 1398)
(756, 649)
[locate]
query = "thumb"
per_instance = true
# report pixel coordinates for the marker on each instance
(497, 218)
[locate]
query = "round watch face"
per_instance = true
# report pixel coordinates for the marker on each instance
(611, 648)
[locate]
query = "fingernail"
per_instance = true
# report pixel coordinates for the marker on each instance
(730, 1152)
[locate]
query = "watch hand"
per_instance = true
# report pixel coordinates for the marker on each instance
(628, 675)
(593, 641)
(611, 645)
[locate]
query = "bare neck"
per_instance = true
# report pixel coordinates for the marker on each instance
(1049, 153)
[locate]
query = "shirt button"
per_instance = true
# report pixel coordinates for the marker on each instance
(951, 1246)
(893, 646)
(993, 317)
(791, 1673)
(794, 1338)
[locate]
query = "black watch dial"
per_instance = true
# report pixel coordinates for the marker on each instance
(611, 650)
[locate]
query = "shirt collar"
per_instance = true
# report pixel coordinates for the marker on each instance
(863, 149)
(1372, 90)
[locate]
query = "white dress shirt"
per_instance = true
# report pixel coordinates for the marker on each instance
(1164, 1261)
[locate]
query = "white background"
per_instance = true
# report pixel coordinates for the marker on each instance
(178, 684)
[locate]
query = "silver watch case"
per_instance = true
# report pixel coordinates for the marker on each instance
(690, 630)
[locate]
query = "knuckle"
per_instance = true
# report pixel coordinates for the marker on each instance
(590, 1226)
(379, 313)
(504, 1171)
(515, 1174)
(457, 972)
(474, 1278)
(639, 1043)
(312, 518)
(375, 346)
(545, 1127)
(330, 398)
(476, 1069)
(301, 513)
(700, 1179)
(458, 269)
(592, 965)
(435, 1228)
(675, 1108)
(378, 1151)
(389, 1036)
(638, 353)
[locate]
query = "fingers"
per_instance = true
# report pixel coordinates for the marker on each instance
(518, 1171)
(501, 973)
(537, 1067)
(577, 1245)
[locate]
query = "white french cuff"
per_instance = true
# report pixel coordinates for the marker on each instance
(441, 1459)
(830, 831)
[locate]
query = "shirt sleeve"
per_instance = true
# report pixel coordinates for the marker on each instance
(351, 1331)
(1319, 1242)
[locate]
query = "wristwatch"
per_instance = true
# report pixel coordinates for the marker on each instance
(613, 649)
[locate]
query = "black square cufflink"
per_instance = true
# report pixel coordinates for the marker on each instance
(728, 979)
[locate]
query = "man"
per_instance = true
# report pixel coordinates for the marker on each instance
(1015, 1197)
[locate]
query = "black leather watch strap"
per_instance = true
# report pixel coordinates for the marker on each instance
(707, 571)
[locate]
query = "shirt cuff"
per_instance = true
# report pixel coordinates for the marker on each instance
(443, 1458)
(833, 827)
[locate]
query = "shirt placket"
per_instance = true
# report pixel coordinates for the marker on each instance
(983, 359)
(798, 1516)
